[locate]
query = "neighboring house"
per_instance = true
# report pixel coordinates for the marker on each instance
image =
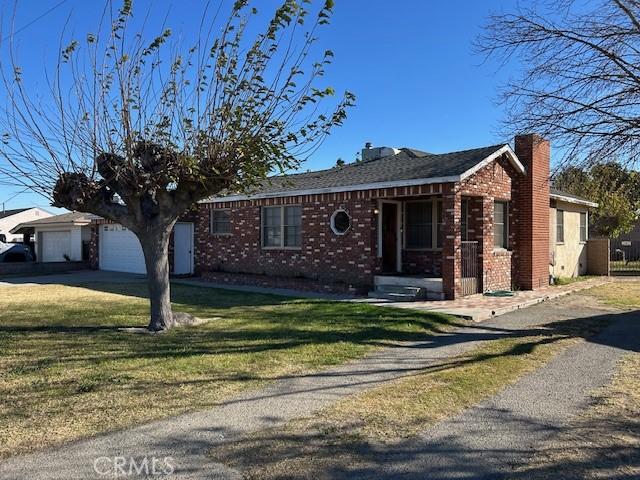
(60, 238)
(409, 222)
(569, 227)
(10, 218)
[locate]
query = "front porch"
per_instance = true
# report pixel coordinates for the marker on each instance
(445, 246)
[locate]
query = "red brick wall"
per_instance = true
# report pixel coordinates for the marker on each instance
(422, 262)
(352, 259)
(324, 256)
(531, 210)
(491, 183)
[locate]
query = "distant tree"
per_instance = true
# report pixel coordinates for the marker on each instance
(137, 128)
(340, 162)
(615, 189)
(580, 81)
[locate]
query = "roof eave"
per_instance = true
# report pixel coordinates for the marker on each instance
(504, 150)
(577, 201)
(346, 188)
(37, 223)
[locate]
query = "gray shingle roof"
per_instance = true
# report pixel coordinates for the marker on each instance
(71, 217)
(408, 164)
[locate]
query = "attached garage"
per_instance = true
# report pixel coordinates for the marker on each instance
(56, 246)
(120, 250)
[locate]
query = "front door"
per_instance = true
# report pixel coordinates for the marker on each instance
(183, 248)
(389, 237)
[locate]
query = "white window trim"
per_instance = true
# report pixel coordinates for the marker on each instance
(434, 226)
(586, 227)
(333, 218)
(506, 226)
(560, 242)
(217, 234)
(281, 246)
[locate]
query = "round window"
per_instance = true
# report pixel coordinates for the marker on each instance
(340, 222)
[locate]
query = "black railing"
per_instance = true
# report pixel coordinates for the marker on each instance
(625, 256)
(470, 272)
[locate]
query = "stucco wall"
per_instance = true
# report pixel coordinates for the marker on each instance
(569, 258)
(8, 223)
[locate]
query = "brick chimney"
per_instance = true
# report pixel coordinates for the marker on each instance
(531, 213)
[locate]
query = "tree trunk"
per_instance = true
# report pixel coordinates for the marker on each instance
(155, 245)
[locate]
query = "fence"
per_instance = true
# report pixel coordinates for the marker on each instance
(625, 257)
(470, 271)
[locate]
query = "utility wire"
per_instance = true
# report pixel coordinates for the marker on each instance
(24, 27)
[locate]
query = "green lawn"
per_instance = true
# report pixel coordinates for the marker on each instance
(68, 371)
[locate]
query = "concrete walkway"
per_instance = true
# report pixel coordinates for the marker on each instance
(482, 307)
(475, 307)
(188, 439)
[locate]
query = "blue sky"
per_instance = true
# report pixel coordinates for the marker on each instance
(410, 63)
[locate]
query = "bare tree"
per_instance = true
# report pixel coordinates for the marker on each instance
(580, 85)
(138, 128)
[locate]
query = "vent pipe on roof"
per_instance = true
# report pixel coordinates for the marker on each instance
(373, 153)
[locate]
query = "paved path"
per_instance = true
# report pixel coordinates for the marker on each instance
(492, 439)
(187, 439)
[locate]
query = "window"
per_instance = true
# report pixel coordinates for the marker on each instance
(501, 225)
(583, 226)
(282, 227)
(438, 212)
(220, 222)
(423, 224)
(559, 226)
(340, 222)
(464, 220)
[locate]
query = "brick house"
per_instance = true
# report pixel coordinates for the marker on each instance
(446, 224)
(409, 223)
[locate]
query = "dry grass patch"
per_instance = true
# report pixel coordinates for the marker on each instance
(68, 370)
(620, 294)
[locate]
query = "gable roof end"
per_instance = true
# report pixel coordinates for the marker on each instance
(505, 150)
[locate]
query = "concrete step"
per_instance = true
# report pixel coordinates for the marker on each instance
(416, 291)
(427, 283)
(394, 297)
(408, 295)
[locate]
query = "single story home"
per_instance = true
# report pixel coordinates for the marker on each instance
(402, 221)
(59, 238)
(10, 218)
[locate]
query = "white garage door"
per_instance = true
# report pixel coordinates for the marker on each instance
(120, 250)
(55, 245)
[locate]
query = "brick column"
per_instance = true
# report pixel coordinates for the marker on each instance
(451, 244)
(485, 241)
(531, 213)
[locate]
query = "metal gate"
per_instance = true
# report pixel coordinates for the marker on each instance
(625, 257)
(470, 271)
